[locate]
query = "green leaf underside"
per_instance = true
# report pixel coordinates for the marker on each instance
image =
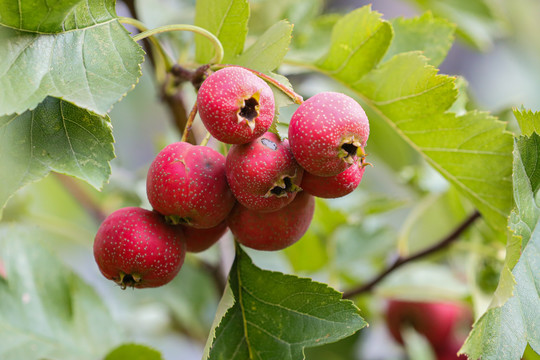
(528, 121)
(504, 330)
(227, 20)
(473, 151)
(276, 315)
(55, 136)
(267, 53)
(134, 352)
(433, 36)
(46, 311)
(77, 51)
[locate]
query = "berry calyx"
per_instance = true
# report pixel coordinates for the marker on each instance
(235, 105)
(328, 133)
(263, 174)
(274, 230)
(187, 184)
(136, 248)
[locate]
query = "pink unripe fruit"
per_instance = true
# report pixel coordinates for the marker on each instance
(235, 105)
(275, 230)
(263, 174)
(136, 248)
(328, 133)
(187, 184)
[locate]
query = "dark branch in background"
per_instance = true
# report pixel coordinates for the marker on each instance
(174, 100)
(220, 280)
(400, 261)
(82, 197)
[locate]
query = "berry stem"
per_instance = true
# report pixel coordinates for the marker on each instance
(289, 92)
(218, 48)
(189, 122)
(206, 138)
(400, 261)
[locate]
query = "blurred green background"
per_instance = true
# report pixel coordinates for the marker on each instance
(401, 206)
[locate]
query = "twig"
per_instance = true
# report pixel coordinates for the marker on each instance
(189, 122)
(173, 99)
(400, 261)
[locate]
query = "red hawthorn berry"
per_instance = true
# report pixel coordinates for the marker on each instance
(326, 132)
(198, 240)
(336, 186)
(434, 320)
(187, 184)
(275, 230)
(235, 105)
(263, 174)
(136, 248)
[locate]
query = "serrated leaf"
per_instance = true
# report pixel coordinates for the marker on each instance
(64, 15)
(473, 151)
(432, 36)
(528, 121)
(55, 136)
(267, 53)
(227, 20)
(47, 312)
(134, 352)
(359, 41)
(477, 22)
(505, 329)
(74, 50)
(276, 315)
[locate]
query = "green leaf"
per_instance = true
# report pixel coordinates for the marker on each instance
(55, 136)
(75, 50)
(433, 36)
(47, 312)
(528, 121)
(227, 19)
(276, 315)
(134, 352)
(477, 22)
(505, 329)
(473, 151)
(359, 41)
(267, 53)
(64, 15)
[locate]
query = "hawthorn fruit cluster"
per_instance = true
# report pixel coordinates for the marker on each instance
(263, 190)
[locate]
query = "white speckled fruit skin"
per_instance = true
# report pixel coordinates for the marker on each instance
(189, 181)
(317, 128)
(138, 241)
(331, 187)
(220, 98)
(252, 170)
(275, 230)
